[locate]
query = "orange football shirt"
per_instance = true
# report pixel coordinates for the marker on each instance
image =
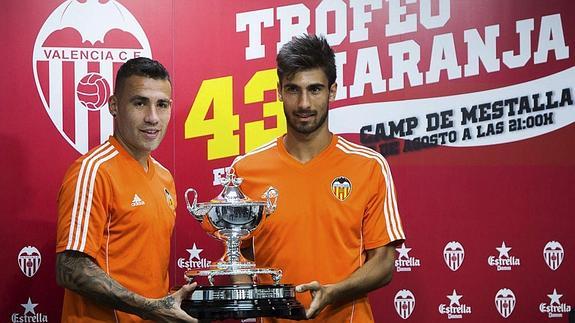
(330, 210)
(111, 209)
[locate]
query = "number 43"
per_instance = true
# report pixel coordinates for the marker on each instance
(218, 93)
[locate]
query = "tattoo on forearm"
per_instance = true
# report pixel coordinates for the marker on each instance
(168, 302)
(80, 274)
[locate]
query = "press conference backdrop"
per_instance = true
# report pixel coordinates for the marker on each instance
(471, 102)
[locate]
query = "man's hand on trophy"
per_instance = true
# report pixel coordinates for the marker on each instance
(168, 309)
(321, 297)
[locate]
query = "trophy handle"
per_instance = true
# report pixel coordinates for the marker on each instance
(271, 196)
(194, 207)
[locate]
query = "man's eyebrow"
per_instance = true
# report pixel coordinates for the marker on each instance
(164, 100)
(289, 84)
(139, 98)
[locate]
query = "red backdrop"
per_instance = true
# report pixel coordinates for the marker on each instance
(486, 211)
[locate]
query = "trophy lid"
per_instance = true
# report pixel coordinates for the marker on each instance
(231, 193)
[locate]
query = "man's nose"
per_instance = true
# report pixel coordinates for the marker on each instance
(304, 101)
(152, 115)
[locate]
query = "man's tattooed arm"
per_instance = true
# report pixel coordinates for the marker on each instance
(78, 272)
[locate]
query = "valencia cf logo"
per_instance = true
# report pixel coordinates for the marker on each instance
(505, 302)
(553, 254)
(169, 199)
(404, 302)
(341, 188)
(77, 52)
(453, 254)
(29, 260)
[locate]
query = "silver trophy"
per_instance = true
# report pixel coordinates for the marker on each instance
(233, 217)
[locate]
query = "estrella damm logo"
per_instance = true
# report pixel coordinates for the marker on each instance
(341, 188)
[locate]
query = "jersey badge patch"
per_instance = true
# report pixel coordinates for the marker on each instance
(169, 199)
(341, 188)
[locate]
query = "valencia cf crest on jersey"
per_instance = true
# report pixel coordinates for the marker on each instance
(169, 199)
(341, 188)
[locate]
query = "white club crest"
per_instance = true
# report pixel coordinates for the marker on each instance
(29, 260)
(74, 75)
(553, 254)
(453, 254)
(505, 302)
(404, 302)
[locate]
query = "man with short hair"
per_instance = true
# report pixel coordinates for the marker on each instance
(336, 224)
(116, 212)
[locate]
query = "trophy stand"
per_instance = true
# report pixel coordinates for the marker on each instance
(233, 217)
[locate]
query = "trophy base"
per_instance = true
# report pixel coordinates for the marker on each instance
(233, 269)
(243, 301)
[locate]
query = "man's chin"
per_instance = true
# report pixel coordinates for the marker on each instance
(301, 127)
(305, 130)
(150, 146)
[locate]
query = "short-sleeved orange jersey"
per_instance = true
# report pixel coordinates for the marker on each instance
(111, 209)
(330, 210)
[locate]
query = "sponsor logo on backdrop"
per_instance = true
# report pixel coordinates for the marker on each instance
(404, 262)
(553, 254)
(455, 310)
(503, 262)
(341, 187)
(453, 254)
(404, 302)
(29, 260)
(555, 309)
(194, 260)
(74, 76)
(505, 302)
(29, 314)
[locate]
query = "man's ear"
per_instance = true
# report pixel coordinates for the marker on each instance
(279, 88)
(332, 91)
(113, 105)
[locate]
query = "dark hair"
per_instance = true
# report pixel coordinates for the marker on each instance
(303, 53)
(140, 66)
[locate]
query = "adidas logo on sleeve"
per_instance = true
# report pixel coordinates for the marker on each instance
(137, 201)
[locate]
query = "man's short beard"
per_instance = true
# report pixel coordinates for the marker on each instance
(308, 128)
